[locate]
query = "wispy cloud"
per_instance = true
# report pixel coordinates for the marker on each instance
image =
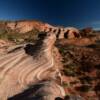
(95, 22)
(96, 25)
(97, 28)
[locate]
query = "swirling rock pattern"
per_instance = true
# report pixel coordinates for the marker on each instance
(23, 67)
(46, 90)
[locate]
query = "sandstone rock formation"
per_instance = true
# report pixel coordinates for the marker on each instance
(4, 45)
(25, 71)
(70, 32)
(27, 66)
(26, 26)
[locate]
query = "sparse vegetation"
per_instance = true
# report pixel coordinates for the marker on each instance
(17, 37)
(84, 88)
(81, 63)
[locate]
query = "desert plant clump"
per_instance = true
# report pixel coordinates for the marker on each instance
(84, 88)
(31, 36)
(18, 37)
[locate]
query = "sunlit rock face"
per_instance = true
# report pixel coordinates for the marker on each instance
(4, 44)
(23, 67)
(69, 32)
(61, 32)
(24, 26)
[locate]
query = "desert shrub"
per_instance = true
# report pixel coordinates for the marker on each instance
(84, 88)
(31, 36)
(2, 31)
(18, 37)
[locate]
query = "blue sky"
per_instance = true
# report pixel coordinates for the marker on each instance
(78, 13)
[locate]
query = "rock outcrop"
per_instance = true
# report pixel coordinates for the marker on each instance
(27, 66)
(4, 45)
(26, 26)
(34, 70)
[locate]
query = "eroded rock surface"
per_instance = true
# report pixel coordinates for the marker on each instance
(24, 67)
